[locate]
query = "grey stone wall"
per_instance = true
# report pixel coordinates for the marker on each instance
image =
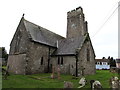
(84, 66)
(75, 23)
(35, 54)
(17, 64)
(19, 46)
(68, 66)
(20, 40)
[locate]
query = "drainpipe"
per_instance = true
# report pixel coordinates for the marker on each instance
(76, 56)
(48, 60)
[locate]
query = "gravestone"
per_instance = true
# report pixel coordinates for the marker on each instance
(95, 85)
(58, 73)
(82, 82)
(114, 82)
(53, 72)
(68, 84)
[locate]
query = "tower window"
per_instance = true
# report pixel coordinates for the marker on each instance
(61, 60)
(41, 60)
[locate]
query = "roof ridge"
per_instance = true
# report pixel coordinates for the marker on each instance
(41, 35)
(43, 28)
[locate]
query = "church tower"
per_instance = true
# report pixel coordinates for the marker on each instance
(76, 24)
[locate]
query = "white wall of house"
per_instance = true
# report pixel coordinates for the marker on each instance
(102, 65)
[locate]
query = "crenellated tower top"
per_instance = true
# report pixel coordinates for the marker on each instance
(75, 12)
(76, 24)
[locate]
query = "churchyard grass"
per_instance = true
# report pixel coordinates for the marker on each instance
(44, 80)
(103, 76)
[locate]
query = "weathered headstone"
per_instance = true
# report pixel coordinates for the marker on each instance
(95, 85)
(91, 83)
(114, 82)
(53, 72)
(68, 84)
(58, 73)
(82, 82)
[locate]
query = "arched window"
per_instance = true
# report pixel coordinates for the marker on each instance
(41, 60)
(62, 60)
(18, 38)
(58, 60)
(88, 55)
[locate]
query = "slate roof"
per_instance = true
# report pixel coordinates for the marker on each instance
(69, 46)
(66, 46)
(42, 35)
(102, 60)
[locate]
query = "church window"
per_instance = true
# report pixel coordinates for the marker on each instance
(58, 60)
(41, 60)
(18, 38)
(88, 55)
(72, 66)
(61, 60)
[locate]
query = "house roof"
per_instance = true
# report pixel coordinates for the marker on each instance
(117, 60)
(42, 35)
(69, 46)
(102, 60)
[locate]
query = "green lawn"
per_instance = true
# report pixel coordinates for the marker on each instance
(44, 80)
(103, 76)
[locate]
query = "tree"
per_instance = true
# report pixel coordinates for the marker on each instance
(103, 58)
(112, 62)
(109, 57)
(3, 53)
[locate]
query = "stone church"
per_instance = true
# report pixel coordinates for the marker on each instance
(35, 49)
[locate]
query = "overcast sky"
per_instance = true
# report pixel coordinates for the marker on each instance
(52, 14)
